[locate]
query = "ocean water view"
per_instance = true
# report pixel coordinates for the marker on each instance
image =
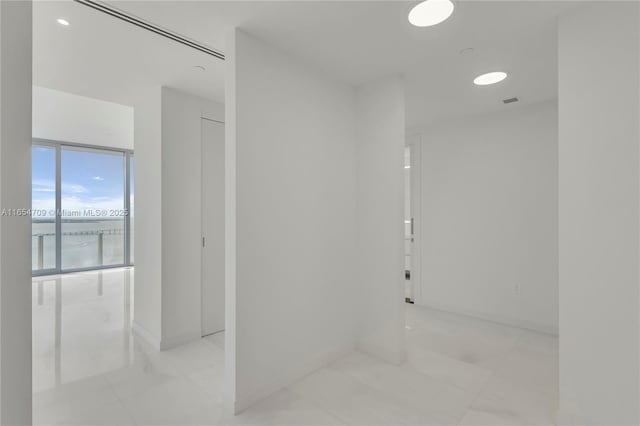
(91, 191)
(81, 239)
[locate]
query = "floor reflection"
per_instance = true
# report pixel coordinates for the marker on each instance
(88, 370)
(80, 322)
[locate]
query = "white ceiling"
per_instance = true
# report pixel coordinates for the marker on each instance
(353, 41)
(102, 57)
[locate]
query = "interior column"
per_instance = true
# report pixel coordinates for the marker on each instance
(599, 199)
(15, 226)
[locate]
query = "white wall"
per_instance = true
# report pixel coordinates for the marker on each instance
(15, 231)
(65, 117)
(489, 226)
(181, 213)
(599, 89)
(229, 390)
(291, 155)
(168, 215)
(148, 227)
(380, 217)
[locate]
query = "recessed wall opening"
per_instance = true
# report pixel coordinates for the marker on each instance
(409, 230)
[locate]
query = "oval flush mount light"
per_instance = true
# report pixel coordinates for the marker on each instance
(63, 22)
(430, 12)
(490, 78)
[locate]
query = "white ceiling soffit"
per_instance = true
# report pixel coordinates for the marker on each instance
(106, 58)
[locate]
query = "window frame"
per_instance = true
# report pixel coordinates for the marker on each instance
(59, 146)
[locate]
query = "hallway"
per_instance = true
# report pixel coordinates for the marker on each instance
(459, 370)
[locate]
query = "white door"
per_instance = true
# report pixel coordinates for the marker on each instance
(212, 226)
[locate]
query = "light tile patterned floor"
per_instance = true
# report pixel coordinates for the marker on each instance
(89, 370)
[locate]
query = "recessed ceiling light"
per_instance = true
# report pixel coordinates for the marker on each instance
(490, 78)
(430, 12)
(63, 21)
(467, 51)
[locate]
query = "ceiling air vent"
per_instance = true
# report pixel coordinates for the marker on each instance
(123, 16)
(510, 100)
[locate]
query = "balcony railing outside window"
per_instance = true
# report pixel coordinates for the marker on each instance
(82, 197)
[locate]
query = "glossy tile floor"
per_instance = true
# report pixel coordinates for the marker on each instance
(89, 370)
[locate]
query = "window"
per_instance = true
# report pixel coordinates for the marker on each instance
(81, 200)
(43, 203)
(93, 208)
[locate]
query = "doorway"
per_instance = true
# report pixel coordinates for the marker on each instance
(412, 208)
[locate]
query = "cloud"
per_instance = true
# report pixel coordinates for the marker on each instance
(44, 205)
(36, 189)
(81, 204)
(43, 185)
(98, 178)
(78, 205)
(73, 188)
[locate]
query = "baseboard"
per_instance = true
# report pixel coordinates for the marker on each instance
(175, 341)
(540, 328)
(163, 344)
(145, 335)
(303, 369)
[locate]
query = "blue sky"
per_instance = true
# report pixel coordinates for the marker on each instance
(90, 180)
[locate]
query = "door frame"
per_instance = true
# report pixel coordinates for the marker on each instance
(414, 143)
(202, 233)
